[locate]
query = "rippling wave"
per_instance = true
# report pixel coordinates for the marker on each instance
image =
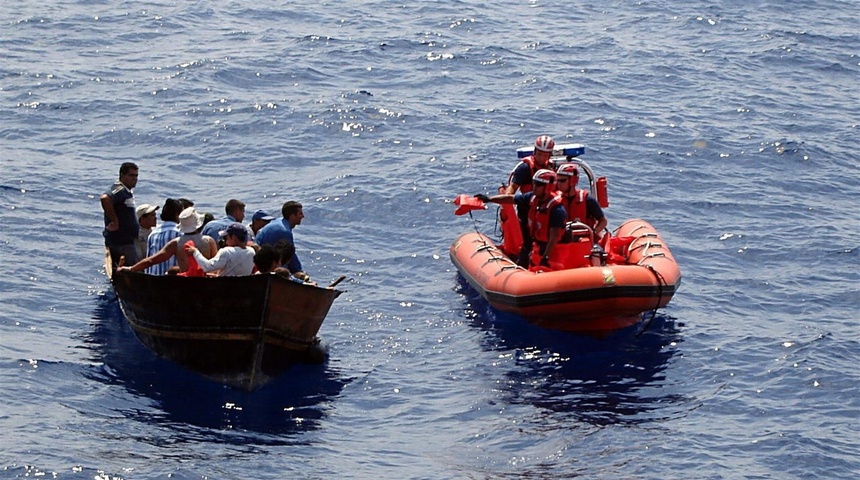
(730, 127)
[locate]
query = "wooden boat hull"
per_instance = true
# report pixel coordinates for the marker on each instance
(241, 331)
(587, 299)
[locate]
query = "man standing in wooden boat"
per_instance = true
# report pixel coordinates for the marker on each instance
(282, 229)
(121, 227)
(581, 207)
(546, 215)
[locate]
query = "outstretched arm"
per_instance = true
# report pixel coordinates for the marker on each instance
(162, 255)
(500, 198)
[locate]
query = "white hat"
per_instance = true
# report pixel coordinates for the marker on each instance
(190, 220)
(145, 209)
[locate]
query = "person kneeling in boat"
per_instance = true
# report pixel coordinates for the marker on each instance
(580, 206)
(234, 260)
(546, 215)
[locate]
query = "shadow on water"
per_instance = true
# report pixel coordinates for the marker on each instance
(294, 403)
(618, 379)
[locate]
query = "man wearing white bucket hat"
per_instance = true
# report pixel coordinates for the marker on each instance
(190, 226)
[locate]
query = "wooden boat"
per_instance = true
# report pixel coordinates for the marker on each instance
(240, 331)
(585, 289)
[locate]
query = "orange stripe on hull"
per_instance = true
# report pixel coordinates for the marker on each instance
(586, 299)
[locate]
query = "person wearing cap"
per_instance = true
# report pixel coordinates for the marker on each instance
(260, 219)
(190, 226)
(282, 229)
(581, 207)
(120, 217)
(234, 260)
(235, 213)
(146, 220)
(546, 215)
(162, 235)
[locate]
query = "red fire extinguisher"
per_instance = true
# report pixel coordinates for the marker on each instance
(602, 195)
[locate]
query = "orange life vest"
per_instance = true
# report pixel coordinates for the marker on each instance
(539, 216)
(576, 208)
(530, 161)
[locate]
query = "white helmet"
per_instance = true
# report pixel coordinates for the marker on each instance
(544, 143)
(545, 176)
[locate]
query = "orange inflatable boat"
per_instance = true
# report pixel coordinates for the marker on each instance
(640, 275)
(585, 288)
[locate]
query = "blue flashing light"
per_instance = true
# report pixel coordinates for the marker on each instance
(570, 150)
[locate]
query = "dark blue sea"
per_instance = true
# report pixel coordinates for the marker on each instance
(731, 126)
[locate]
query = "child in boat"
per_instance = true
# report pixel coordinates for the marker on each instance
(234, 260)
(287, 251)
(267, 260)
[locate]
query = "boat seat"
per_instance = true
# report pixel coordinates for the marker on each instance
(572, 254)
(575, 246)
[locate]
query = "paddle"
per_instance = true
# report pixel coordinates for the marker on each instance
(467, 203)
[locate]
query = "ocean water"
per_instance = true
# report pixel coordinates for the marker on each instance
(732, 127)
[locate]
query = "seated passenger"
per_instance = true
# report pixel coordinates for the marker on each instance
(147, 221)
(234, 260)
(190, 226)
(235, 210)
(260, 219)
(267, 259)
(162, 235)
(186, 203)
(287, 251)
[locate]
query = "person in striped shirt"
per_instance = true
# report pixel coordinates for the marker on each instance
(163, 234)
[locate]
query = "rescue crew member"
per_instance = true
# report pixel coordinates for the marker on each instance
(546, 215)
(520, 179)
(580, 206)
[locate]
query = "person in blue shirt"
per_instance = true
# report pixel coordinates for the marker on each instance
(121, 227)
(162, 235)
(260, 219)
(235, 210)
(282, 229)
